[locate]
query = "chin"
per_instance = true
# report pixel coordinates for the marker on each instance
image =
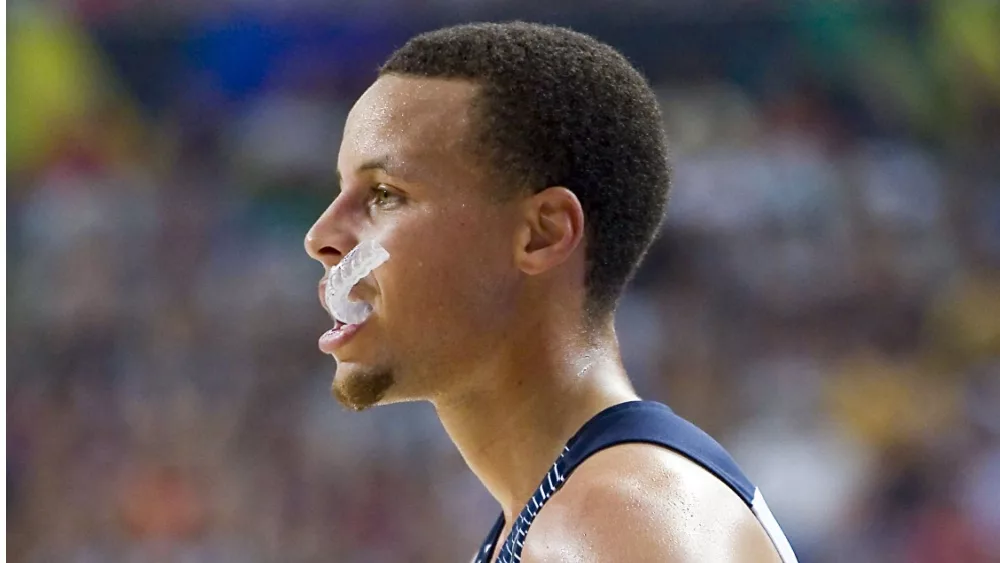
(358, 388)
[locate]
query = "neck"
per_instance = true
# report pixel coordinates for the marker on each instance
(529, 400)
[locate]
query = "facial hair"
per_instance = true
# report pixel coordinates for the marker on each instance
(359, 390)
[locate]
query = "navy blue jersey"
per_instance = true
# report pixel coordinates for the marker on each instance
(635, 421)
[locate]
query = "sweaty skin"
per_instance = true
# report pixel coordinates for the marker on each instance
(480, 312)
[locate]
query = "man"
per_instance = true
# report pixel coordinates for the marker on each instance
(516, 174)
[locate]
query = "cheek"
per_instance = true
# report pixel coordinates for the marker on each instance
(449, 276)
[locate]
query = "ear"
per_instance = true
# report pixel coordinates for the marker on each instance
(552, 229)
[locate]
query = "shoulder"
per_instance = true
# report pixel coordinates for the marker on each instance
(639, 502)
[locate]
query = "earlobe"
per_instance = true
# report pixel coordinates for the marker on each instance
(553, 229)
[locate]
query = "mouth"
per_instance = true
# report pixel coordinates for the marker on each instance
(342, 332)
(358, 293)
(335, 338)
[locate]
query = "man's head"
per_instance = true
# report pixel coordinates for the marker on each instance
(508, 169)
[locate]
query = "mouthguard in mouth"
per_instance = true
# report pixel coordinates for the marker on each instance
(358, 263)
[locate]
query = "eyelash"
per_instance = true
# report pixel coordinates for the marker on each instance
(379, 190)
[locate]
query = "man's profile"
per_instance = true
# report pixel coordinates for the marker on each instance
(515, 174)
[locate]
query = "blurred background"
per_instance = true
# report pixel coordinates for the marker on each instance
(824, 297)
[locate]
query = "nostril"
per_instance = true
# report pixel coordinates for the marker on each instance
(328, 251)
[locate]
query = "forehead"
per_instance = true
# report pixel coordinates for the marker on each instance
(415, 122)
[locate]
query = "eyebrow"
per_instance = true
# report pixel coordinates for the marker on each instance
(386, 164)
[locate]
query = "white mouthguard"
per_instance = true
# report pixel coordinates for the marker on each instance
(358, 263)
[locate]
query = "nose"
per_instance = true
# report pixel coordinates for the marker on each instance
(330, 237)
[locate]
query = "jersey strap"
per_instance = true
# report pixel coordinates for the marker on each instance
(633, 422)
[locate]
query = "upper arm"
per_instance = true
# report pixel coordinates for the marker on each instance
(640, 503)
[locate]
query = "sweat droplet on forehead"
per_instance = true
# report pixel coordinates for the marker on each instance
(406, 115)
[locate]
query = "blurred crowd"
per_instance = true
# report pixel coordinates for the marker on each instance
(824, 297)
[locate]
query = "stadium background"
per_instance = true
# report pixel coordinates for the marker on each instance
(824, 298)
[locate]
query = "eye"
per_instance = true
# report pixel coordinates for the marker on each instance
(383, 197)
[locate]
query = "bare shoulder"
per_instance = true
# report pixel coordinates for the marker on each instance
(638, 503)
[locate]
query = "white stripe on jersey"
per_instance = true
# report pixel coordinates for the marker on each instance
(766, 519)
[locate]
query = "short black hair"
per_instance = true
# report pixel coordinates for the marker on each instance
(560, 108)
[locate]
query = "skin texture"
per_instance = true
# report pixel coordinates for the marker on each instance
(480, 311)
(640, 503)
(448, 272)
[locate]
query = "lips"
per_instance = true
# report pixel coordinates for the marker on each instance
(322, 296)
(333, 339)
